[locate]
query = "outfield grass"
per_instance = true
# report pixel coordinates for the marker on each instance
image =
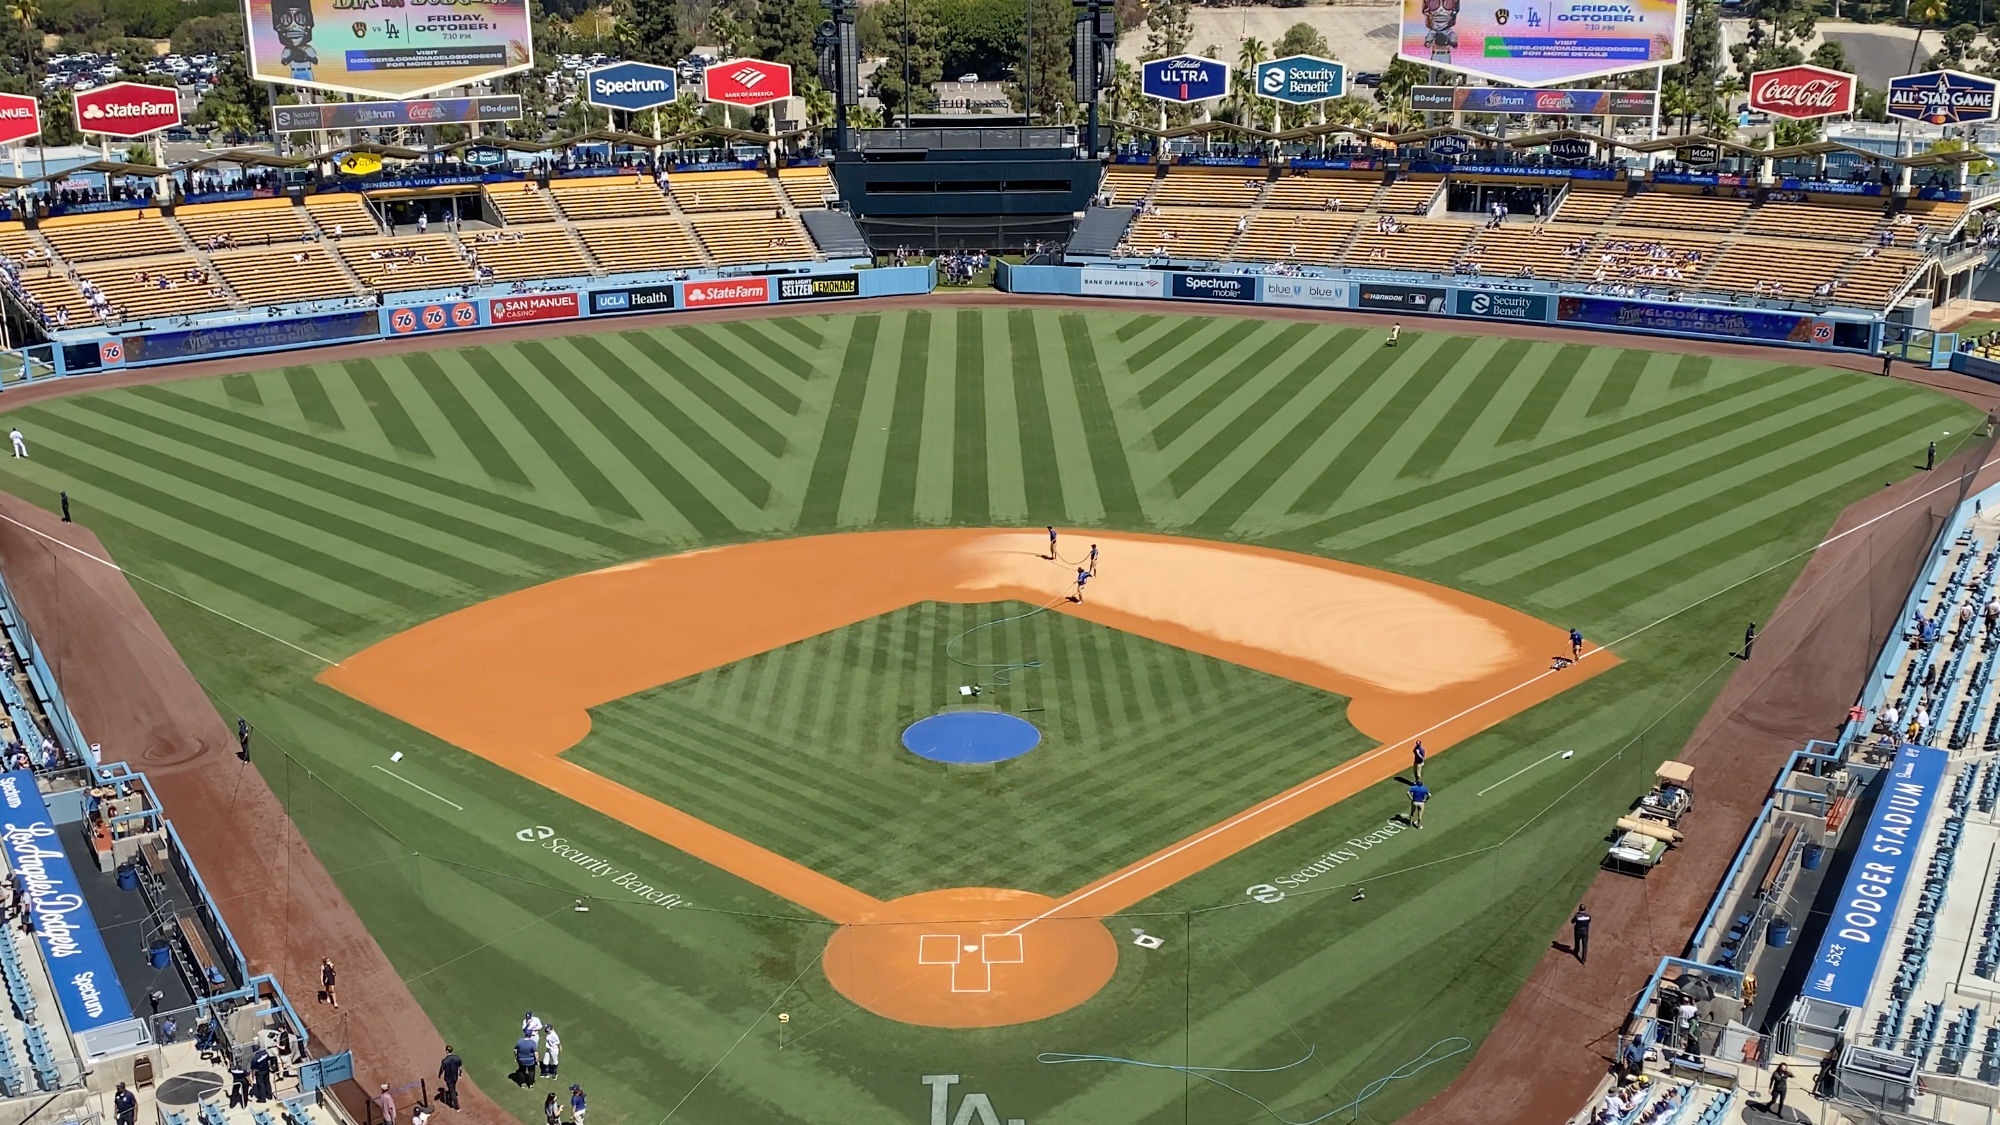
(335, 504)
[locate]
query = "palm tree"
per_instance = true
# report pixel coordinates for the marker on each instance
(818, 102)
(1248, 55)
(1923, 13)
(28, 14)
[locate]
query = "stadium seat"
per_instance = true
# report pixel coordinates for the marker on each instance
(1811, 220)
(277, 275)
(1589, 205)
(407, 263)
(518, 255)
(609, 197)
(699, 192)
(808, 187)
(1210, 187)
(343, 211)
(521, 203)
(1683, 211)
(113, 234)
(1311, 192)
(1183, 232)
(1503, 251)
(1409, 197)
(255, 222)
(734, 239)
(1418, 244)
(658, 244)
(1130, 183)
(1295, 236)
(153, 287)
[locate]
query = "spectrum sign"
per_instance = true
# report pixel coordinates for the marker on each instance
(631, 86)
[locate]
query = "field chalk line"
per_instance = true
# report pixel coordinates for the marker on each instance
(1519, 772)
(419, 788)
(1341, 770)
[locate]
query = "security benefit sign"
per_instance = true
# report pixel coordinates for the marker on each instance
(1541, 41)
(390, 48)
(1184, 78)
(1301, 79)
(79, 965)
(1942, 97)
(1857, 936)
(1500, 305)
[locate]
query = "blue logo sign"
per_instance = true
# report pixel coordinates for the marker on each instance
(1212, 287)
(631, 86)
(1450, 145)
(1184, 78)
(1301, 79)
(1501, 305)
(483, 157)
(651, 298)
(1943, 97)
(79, 966)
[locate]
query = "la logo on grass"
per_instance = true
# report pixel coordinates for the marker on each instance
(971, 1107)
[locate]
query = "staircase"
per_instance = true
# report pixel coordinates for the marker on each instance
(1101, 230)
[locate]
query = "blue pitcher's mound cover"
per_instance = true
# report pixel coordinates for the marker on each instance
(971, 737)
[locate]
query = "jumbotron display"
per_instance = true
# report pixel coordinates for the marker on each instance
(1533, 42)
(354, 47)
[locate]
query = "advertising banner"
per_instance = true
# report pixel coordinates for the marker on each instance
(20, 117)
(479, 156)
(389, 51)
(533, 306)
(746, 82)
(1308, 291)
(1569, 148)
(1213, 287)
(1498, 99)
(1802, 92)
(1098, 282)
(1942, 97)
(1698, 320)
(79, 965)
(1857, 936)
(368, 115)
(360, 164)
(1698, 155)
(1500, 306)
(433, 318)
(819, 287)
(631, 86)
(1450, 145)
(1183, 78)
(1400, 298)
(128, 109)
(716, 294)
(1562, 41)
(252, 337)
(1301, 79)
(650, 298)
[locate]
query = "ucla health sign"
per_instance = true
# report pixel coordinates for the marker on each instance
(1942, 97)
(1184, 78)
(85, 982)
(1858, 934)
(631, 86)
(1301, 79)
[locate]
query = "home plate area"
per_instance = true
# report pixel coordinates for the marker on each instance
(971, 961)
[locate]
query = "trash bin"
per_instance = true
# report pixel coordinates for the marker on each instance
(128, 878)
(160, 953)
(1810, 860)
(1778, 933)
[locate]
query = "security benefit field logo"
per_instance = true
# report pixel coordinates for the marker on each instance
(598, 866)
(1322, 863)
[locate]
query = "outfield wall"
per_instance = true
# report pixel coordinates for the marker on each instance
(404, 315)
(1467, 298)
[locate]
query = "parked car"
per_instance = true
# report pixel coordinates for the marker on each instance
(1367, 78)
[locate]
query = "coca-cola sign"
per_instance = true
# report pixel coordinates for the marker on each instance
(1802, 92)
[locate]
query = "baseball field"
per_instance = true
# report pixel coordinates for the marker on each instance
(636, 621)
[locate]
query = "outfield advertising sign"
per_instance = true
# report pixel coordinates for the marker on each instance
(1310, 292)
(1542, 41)
(1943, 97)
(371, 115)
(1098, 282)
(533, 306)
(1498, 99)
(819, 287)
(1491, 305)
(79, 965)
(265, 336)
(1400, 298)
(631, 86)
(387, 50)
(1700, 320)
(1183, 78)
(1857, 936)
(721, 294)
(650, 298)
(1301, 79)
(433, 318)
(1212, 287)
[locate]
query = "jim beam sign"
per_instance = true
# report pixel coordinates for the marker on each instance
(1802, 92)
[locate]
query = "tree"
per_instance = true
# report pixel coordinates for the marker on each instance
(59, 120)
(1169, 28)
(1871, 103)
(1788, 132)
(1829, 54)
(1302, 39)
(234, 104)
(917, 22)
(978, 36)
(1044, 67)
(209, 35)
(1691, 83)
(1923, 13)
(782, 31)
(1243, 81)
(656, 32)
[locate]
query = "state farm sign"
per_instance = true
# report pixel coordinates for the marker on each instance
(20, 117)
(128, 109)
(711, 294)
(746, 82)
(1802, 92)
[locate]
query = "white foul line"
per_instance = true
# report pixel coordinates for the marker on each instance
(1517, 773)
(419, 788)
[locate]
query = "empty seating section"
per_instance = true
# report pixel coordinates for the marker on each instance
(118, 234)
(1183, 232)
(1871, 280)
(1917, 939)
(698, 192)
(1127, 184)
(738, 238)
(1203, 187)
(1809, 220)
(277, 275)
(1957, 1041)
(18, 990)
(1409, 197)
(1923, 219)
(20, 244)
(346, 214)
(518, 255)
(609, 198)
(1754, 267)
(411, 262)
(635, 247)
(156, 286)
(1294, 236)
(519, 203)
(1416, 244)
(42, 1059)
(1683, 212)
(806, 187)
(259, 222)
(1583, 205)
(1313, 193)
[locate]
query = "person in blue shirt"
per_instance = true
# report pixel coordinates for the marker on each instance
(1082, 576)
(1418, 796)
(576, 1105)
(1575, 645)
(524, 1059)
(1417, 761)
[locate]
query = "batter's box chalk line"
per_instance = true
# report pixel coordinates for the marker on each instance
(971, 974)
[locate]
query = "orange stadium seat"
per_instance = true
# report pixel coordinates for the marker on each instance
(1683, 211)
(255, 222)
(521, 203)
(609, 197)
(724, 191)
(113, 234)
(1589, 205)
(654, 244)
(1129, 183)
(1313, 192)
(343, 211)
(426, 261)
(1210, 187)
(1183, 232)
(1295, 236)
(1407, 197)
(519, 255)
(806, 188)
(275, 275)
(1815, 220)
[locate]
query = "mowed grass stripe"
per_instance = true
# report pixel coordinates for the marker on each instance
(1146, 353)
(1627, 366)
(243, 389)
(1115, 487)
(1691, 371)
(896, 497)
(821, 509)
(970, 501)
(1221, 338)
(800, 328)
(712, 392)
(310, 396)
(255, 587)
(758, 337)
(1135, 326)
(472, 431)
(1550, 387)
(744, 370)
(1304, 369)
(1382, 428)
(556, 444)
(1444, 438)
(1220, 381)
(390, 414)
(708, 448)
(1043, 485)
